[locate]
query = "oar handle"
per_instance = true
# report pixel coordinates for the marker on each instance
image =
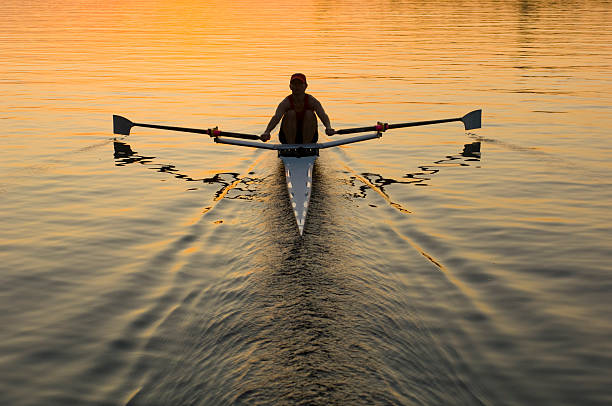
(213, 132)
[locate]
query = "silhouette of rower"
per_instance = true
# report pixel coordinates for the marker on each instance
(297, 112)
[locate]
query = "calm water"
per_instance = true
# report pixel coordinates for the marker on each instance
(164, 269)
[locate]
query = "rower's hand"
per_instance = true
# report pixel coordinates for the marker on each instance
(265, 137)
(330, 131)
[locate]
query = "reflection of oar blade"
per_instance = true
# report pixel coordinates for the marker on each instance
(122, 150)
(121, 125)
(472, 120)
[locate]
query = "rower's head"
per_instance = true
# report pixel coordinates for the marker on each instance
(298, 83)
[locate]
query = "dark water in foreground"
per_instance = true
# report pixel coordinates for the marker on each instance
(163, 269)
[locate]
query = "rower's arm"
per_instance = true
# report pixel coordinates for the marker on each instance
(323, 117)
(276, 118)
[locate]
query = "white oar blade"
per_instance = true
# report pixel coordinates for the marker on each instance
(472, 120)
(121, 125)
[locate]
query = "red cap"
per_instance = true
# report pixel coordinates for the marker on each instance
(298, 76)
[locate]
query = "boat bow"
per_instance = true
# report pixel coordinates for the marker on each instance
(298, 172)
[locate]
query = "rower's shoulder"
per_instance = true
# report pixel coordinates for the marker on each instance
(312, 98)
(316, 104)
(285, 103)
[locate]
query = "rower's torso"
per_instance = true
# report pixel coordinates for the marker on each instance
(300, 104)
(299, 123)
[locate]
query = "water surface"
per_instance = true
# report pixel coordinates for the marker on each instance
(163, 269)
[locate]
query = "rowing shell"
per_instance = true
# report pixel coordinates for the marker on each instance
(298, 172)
(298, 161)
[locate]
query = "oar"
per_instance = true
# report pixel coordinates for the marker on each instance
(122, 125)
(471, 121)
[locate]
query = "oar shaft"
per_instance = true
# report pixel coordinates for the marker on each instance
(200, 131)
(418, 123)
(473, 123)
(171, 128)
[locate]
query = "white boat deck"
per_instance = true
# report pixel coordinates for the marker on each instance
(298, 172)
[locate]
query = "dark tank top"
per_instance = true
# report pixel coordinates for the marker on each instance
(299, 115)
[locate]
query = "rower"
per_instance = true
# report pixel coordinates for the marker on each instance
(297, 112)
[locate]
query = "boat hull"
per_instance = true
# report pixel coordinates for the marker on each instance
(298, 173)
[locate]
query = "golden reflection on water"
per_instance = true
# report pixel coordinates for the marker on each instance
(114, 260)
